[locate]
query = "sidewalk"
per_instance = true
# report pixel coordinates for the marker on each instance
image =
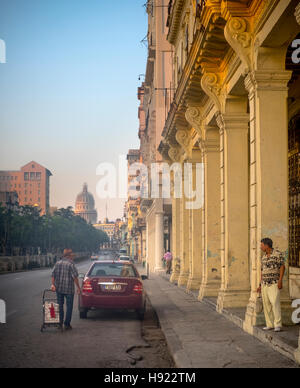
(199, 337)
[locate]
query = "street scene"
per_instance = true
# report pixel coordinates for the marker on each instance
(150, 187)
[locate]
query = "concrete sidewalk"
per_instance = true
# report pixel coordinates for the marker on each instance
(199, 337)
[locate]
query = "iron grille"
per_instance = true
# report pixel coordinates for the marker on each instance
(294, 192)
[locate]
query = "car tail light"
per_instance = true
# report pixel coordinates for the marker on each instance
(87, 286)
(138, 288)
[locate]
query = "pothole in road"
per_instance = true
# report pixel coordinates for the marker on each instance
(156, 353)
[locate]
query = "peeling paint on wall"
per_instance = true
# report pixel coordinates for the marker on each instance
(211, 255)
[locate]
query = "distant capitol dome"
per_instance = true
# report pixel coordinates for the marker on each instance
(85, 206)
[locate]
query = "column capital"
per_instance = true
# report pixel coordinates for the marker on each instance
(297, 13)
(272, 80)
(233, 121)
(211, 142)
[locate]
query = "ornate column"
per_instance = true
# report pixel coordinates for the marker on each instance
(159, 236)
(268, 94)
(184, 243)
(211, 262)
(176, 239)
(183, 138)
(195, 233)
(176, 222)
(194, 118)
(234, 125)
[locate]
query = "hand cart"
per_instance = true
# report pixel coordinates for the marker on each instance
(50, 310)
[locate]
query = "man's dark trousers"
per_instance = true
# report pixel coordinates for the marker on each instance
(70, 302)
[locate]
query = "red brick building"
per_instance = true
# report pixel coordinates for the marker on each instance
(31, 183)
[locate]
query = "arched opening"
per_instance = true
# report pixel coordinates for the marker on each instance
(294, 159)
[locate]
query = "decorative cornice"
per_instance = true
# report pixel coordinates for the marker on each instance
(210, 83)
(175, 19)
(297, 13)
(239, 38)
(174, 154)
(183, 138)
(194, 117)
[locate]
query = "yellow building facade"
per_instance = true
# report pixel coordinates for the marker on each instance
(236, 109)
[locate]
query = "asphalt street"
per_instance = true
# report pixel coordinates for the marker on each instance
(101, 341)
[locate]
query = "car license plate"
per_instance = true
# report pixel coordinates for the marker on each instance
(114, 287)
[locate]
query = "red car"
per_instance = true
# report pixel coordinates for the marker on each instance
(112, 285)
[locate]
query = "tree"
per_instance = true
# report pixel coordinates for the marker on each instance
(31, 232)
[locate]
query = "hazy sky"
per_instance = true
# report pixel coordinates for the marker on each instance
(68, 92)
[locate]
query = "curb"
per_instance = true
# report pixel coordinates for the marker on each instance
(175, 346)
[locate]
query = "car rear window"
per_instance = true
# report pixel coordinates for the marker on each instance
(113, 269)
(105, 257)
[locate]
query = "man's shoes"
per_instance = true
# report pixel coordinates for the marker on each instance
(278, 329)
(268, 328)
(67, 328)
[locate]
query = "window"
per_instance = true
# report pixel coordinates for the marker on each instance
(26, 176)
(32, 176)
(116, 269)
(38, 176)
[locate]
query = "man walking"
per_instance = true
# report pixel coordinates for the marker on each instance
(168, 259)
(64, 276)
(273, 270)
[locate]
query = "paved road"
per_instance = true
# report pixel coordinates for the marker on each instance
(100, 341)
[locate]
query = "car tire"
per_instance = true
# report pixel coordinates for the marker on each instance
(141, 313)
(83, 314)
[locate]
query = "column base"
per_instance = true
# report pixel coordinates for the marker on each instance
(193, 284)
(232, 299)
(174, 277)
(287, 312)
(297, 356)
(183, 279)
(254, 318)
(210, 290)
(297, 352)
